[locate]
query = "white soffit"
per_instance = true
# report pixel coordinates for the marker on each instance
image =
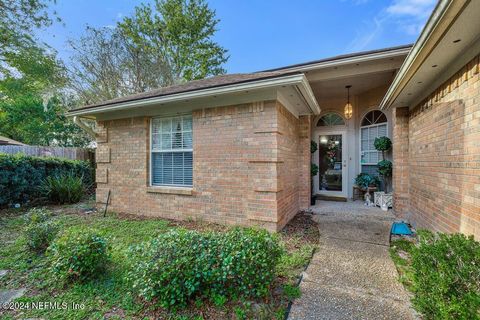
(447, 54)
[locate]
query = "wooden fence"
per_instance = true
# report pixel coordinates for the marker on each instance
(61, 152)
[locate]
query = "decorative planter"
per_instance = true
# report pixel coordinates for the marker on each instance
(386, 201)
(376, 197)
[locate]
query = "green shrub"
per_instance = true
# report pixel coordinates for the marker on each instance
(78, 255)
(446, 276)
(248, 260)
(363, 180)
(65, 188)
(167, 268)
(179, 265)
(37, 215)
(385, 168)
(382, 144)
(20, 174)
(313, 170)
(39, 231)
(39, 235)
(313, 146)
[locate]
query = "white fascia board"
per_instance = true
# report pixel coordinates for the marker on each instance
(350, 60)
(307, 93)
(296, 79)
(406, 69)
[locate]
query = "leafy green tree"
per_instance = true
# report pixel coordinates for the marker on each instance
(18, 20)
(159, 45)
(27, 119)
(32, 100)
(181, 31)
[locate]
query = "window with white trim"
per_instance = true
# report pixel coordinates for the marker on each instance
(171, 151)
(373, 125)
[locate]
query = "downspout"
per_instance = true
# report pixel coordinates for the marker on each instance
(82, 125)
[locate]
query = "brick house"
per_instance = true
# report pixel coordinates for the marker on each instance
(235, 149)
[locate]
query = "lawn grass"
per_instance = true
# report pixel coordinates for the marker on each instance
(400, 252)
(110, 296)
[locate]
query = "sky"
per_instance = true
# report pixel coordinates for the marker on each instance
(265, 34)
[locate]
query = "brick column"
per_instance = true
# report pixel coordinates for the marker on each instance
(304, 162)
(401, 195)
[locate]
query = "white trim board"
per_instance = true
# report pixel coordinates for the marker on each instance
(298, 80)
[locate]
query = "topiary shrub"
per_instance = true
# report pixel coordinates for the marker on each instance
(382, 144)
(179, 265)
(78, 255)
(19, 173)
(65, 188)
(446, 276)
(40, 231)
(385, 168)
(313, 146)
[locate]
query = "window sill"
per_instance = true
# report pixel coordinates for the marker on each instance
(170, 190)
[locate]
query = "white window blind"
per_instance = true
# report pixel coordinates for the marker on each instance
(370, 156)
(171, 151)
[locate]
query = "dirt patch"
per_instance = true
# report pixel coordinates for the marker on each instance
(300, 230)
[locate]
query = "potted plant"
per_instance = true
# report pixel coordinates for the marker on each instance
(313, 171)
(365, 180)
(384, 144)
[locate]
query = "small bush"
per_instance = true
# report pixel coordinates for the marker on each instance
(39, 231)
(179, 265)
(18, 173)
(37, 215)
(248, 260)
(446, 276)
(39, 235)
(167, 268)
(78, 255)
(65, 188)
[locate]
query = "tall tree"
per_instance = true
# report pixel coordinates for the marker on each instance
(18, 21)
(159, 45)
(106, 65)
(181, 32)
(32, 100)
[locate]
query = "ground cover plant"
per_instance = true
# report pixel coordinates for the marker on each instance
(110, 293)
(443, 273)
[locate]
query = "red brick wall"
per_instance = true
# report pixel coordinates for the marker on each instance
(444, 156)
(400, 119)
(242, 167)
(292, 183)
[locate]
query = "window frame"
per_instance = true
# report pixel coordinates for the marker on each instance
(360, 137)
(344, 124)
(151, 151)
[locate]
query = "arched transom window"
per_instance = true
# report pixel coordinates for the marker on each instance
(373, 125)
(330, 119)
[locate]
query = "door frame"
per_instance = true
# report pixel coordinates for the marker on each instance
(345, 156)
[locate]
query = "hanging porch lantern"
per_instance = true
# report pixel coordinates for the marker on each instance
(348, 110)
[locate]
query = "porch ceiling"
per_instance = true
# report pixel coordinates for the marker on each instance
(331, 89)
(329, 83)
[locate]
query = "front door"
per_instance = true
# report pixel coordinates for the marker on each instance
(332, 164)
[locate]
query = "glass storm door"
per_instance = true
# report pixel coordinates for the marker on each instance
(332, 164)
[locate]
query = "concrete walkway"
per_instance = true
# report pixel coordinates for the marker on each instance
(351, 276)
